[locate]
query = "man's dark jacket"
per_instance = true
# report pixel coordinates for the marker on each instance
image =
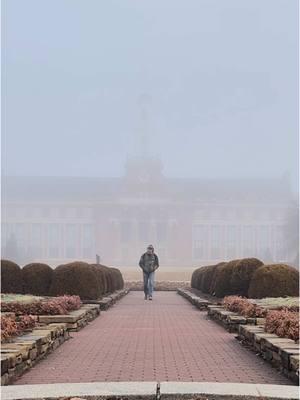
(149, 262)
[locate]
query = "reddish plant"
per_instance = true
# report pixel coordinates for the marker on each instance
(283, 323)
(12, 326)
(244, 307)
(54, 306)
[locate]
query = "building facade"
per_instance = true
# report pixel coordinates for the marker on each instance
(190, 222)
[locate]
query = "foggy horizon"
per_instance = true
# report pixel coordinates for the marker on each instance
(220, 80)
(179, 119)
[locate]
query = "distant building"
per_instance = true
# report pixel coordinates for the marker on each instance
(189, 221)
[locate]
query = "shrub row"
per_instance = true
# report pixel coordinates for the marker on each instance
(12, 326)
(89, 281)
(247, 277)
(55, 306)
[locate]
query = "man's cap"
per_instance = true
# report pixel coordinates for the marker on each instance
(150, 247)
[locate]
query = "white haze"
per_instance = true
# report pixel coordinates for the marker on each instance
(134, 122)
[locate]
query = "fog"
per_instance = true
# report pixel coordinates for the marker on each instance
(129, 122)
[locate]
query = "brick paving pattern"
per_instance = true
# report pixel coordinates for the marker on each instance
(164, 340)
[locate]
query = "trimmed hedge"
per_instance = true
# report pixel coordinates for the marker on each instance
(204, 278)
(226, 278)
(223, 279)
(117, 278)
(76, 278)
(242, 274)
(274, 280)
(88, 281)
(217, 270)
(37, 279)
(11, 277)
(102, 278)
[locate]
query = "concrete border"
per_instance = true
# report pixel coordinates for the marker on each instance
(99, 390)
(215, 390)
(147, 390)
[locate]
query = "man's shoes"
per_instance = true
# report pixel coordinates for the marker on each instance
(146, 297)
(150, 297)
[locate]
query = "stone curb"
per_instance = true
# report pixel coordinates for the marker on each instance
(197, 301)
(148, 390)
(282, 353)
(75, 320)
(23, 352)
(108, 301)
(230, 320)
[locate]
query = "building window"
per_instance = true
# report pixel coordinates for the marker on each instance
(71, 212)
(248, 241)
(71, 240)
(45, 212)
(143, 231)
(54, 240)
(216, 241)
(200, 242)
(36, 240)
(231, 241)
(263, 242)
(281, 250)
(161, 232)
(88, 241)
(126, 231)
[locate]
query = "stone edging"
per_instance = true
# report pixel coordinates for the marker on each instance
(282, 353)
(229, 319)
(148, 390)
(25, 351)
(75, 320)
(110, 300)
(197, 301)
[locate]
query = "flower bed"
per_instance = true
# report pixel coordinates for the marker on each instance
(54, 306)
(283, 323)
(14, 326)
(244, 307)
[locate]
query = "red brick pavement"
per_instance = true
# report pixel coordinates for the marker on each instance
(164, 340)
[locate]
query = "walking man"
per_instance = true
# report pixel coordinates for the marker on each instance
(149, 264)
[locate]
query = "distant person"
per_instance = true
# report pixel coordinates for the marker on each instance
(149, 264)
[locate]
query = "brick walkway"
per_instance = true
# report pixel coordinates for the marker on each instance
(164, 340)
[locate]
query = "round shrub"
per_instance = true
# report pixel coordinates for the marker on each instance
(37, 279)
(223, 279)
(108, 279)
(276, 280)
(118, 278)
(207, 278)
(218, 268)
(77, 278)
(194, 278)
(102, 280)
(242, 274)
(11, 277)
(197, 276)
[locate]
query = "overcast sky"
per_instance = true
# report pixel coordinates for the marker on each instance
(220, 75)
